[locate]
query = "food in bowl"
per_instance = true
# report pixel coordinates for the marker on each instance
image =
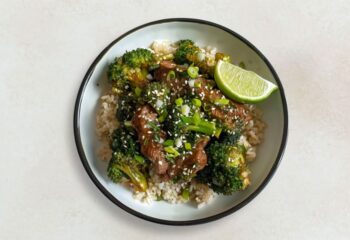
(170, 132)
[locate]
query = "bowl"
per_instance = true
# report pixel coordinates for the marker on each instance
(204, 33)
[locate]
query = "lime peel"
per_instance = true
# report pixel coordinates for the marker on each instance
(242, 85)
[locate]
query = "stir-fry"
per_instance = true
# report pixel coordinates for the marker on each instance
(175, 136)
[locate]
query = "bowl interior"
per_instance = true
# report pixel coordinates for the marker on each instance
(204, 35)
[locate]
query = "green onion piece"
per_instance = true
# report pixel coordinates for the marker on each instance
(223, 101)
(169, 56)
(192, 72)
(170, 158)
(188, 146)
(185, 194)
(197, 102)
(171, 75)
(163, 116)
(197, 84)
(138, 91)
(127, 123)
(172, 151)
(217, 132)
(139, 158)
(196, 118)
(179, 101)
(168, 142)
(207, 107)
(186, 119)
(200, 129)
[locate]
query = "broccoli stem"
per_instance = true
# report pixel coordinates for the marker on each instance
(136, 177)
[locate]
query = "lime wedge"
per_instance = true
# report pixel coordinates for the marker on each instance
(242, 85)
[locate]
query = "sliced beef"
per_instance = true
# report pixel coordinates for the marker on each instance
(193, 162)
(226, 114)
(176, 84)
(153, 150)
(160, 74)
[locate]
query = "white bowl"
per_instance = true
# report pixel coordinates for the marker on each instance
(204, 33)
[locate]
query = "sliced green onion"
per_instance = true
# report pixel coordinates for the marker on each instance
(207, 107)
(192, 72)
(196, 118)
(171, 75)
(127, 123)
(223, 101)
(217, 132)
(163, 116)
(139, 158)
(172, 151)
(138, 91)
(200, 129)
(168, 142)
(197, 102)
(186, 119)
(185, 194)
(188, 146)
(169, 56)
(197, 84)
(179, 101)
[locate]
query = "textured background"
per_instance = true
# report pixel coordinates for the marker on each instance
(46, 48)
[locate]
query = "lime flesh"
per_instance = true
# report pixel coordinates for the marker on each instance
(242, 85)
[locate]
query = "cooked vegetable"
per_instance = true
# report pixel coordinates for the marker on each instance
(124, 140)
(187, 52)
(192, 72)
(175, 124)
(188, 117)
(131, 69)
(226, 172)
(123, 165)
(126, 106)
(157, 95)
(139, 58)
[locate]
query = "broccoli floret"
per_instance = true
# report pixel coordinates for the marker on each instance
(187, 52)
(126, 161)
(123, 165)
(114, 173)
(230, 137)
(226, 171)
(127, 105)
(132, 68)
(125, 140)
(158, 96)
(139, 58)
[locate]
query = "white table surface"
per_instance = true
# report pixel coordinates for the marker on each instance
(46, 48)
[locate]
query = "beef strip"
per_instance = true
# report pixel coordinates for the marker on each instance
(227, 115)
(193, 162)
(151, 149)
(177, 84)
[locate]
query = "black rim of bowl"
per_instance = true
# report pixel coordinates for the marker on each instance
(157, 220)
